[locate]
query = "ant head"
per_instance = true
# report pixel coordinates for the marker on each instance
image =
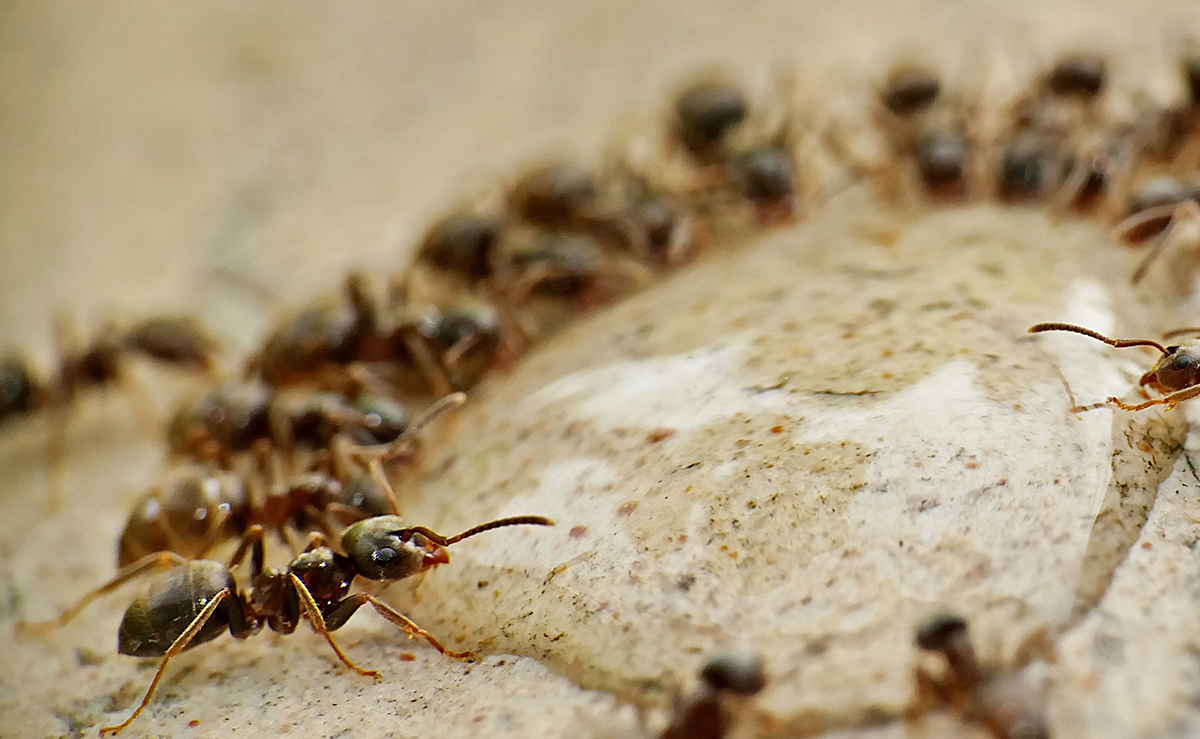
(1178, 368)
(941, 632)
(736, 672)
(463, 243)
(383, 548)
(910, 89)
(706, 111)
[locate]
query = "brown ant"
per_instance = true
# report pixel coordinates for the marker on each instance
(706, 714)
(322, 339)
(195, 600)
(229, 419)
(1000, 702)
(1176, 374)
(200, 507)
(465, 244)
(565, 197)
(924, 125)
(564, 265)
(177, 342)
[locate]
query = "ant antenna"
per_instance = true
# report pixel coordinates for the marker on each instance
(1181, 332)
(442, 541)
(1118, 343)
(397, 447)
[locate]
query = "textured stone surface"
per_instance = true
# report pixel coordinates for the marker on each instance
(800, 446)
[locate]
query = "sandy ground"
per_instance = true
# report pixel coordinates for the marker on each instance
(228, 159)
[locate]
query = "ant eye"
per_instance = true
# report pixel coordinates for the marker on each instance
(1183, 361)
(383, 556)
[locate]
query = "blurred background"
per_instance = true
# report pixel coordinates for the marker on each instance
(171, 157)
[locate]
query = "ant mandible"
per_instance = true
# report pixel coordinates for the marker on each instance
(1176, 374)
(195, 600)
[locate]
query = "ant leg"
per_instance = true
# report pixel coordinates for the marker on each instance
(176, 647)
(434, 374)
(342, 612)
(317, 621)
(148, 418)
(376, 471)
(1183, 215)
(316, 540)
(1170, 401)
(344, 514)
(149, 563)
(56, 452)
(252, 540)
(1144, 224)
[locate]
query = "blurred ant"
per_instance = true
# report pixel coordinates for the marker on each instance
(1176, 374)
(1001, 702)
(194, 601)
(231, 418)
(564, 197)
(760, 167)
(707, 713)
(172, 341)
(199, 507)
(564, 265)
(925, 125)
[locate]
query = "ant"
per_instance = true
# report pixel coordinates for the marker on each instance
(706, 714)
(194, 601)
(923, 124)
(198, 507)
(564, 197)
(1000, 702)
(564, 265)
(328, 343)
(760, 169)
(172, 341)
(1176, 374)
(231, 418)
(465, 244)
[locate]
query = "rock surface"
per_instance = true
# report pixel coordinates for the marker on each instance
(801, 445)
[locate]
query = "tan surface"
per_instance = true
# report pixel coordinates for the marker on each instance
(148, 148)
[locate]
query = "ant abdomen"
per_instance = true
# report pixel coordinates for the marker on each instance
(194, 509)
(170, 604)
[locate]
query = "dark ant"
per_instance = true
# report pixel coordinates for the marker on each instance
(705, 114)
(465, 244)
(1176, 374)
(231, 418)
(564, 197)
(172, 341)
(942, 157)
(323, 339)
(706, 713)
(1000, 702)
(194, 601)
(571, 266)
(924, 124)
(766, 176)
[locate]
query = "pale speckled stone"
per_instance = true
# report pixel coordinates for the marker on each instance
(150, 144)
